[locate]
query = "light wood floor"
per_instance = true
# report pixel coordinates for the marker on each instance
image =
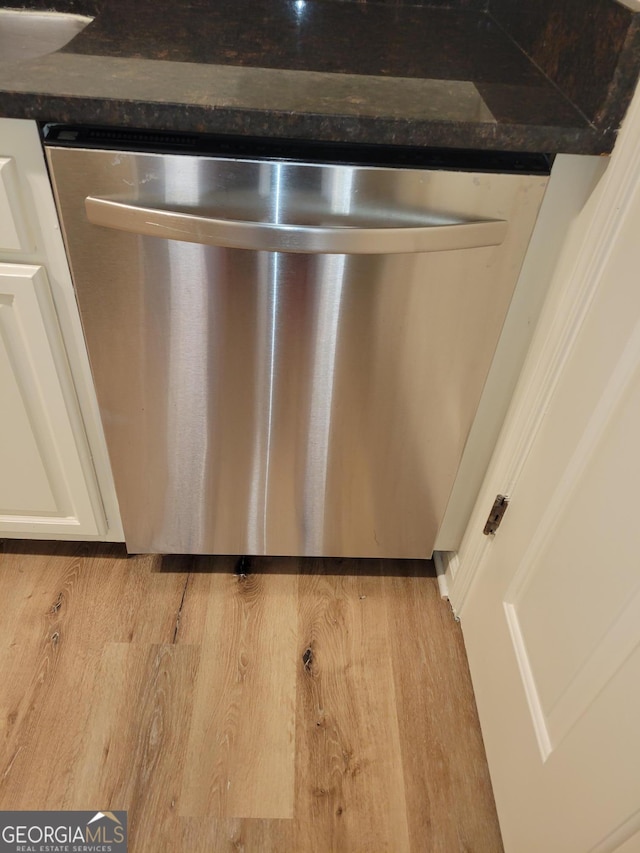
(275, 706)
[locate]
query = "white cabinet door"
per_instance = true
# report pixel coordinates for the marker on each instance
(552, 618)
(47, 485)
(30, 234)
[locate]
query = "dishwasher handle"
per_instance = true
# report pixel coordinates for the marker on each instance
(276, 237)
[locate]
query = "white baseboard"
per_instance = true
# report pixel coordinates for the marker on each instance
(446, 563)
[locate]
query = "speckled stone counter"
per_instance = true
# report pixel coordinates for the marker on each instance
(462, 74)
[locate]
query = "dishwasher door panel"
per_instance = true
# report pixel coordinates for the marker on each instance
(286, 402)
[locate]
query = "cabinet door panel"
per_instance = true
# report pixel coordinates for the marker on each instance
(47, 484)
(13, 231)
(24, 483)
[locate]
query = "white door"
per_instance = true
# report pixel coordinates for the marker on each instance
(550, 606)
(47, 484)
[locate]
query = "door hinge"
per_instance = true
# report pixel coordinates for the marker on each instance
(496, 515)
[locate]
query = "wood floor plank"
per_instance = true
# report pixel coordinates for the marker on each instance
(38, 676)
(449, 798)
(199, 600)
(149, 598)
(203, 835)
(349, 775)
(240, 760)
(54, 651)
(134, 751)
(138, 601)
(18, 582)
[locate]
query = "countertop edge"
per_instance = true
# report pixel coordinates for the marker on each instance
(308, 126)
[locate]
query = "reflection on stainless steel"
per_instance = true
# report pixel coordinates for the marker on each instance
(186, 403)
(26, 34)
(286, 402)
(264, 368)
(324, 345)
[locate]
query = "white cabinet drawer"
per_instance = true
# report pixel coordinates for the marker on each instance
(14, 235)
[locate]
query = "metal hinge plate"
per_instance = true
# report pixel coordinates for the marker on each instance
(496, 515)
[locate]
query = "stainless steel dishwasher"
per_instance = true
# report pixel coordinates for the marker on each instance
(288, 354)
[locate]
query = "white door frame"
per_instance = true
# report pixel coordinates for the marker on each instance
(573, 286)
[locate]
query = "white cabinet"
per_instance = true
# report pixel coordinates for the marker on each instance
(55, 479)
(46, 480)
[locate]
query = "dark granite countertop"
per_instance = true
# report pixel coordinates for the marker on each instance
(548, 76)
